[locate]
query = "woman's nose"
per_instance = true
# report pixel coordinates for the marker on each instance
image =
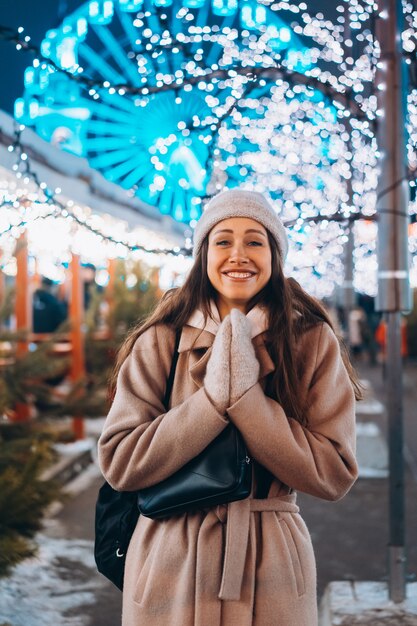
(238, 253)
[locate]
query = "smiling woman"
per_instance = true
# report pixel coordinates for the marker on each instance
(258, 352)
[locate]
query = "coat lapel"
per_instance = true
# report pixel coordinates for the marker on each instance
(266, 363)
(197, 370)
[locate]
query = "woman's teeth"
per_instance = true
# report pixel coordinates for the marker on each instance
(239, 274)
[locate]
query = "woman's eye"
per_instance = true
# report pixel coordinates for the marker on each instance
(225, 242)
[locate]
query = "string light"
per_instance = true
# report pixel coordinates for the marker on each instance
(57, 208)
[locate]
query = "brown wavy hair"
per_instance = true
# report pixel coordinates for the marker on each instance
(291, 312)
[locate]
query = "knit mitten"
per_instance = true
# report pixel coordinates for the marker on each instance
(243, 362)
(217, 378)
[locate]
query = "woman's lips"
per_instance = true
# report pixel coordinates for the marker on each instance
(239, 275)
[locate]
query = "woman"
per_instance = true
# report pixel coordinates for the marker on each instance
(255, 349)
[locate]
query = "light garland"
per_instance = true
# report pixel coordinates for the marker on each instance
(24, 209)
(65, 210)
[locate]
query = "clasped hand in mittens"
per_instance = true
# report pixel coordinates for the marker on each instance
(244, 366)
(233, 367)
(217, 378)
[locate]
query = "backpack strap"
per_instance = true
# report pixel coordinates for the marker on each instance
(170, 380)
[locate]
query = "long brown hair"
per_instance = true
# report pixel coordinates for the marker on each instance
(291, 312)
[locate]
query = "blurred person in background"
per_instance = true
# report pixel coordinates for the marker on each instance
(48, 312)
(355, 327)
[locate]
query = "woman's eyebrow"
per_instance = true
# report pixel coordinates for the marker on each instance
(224, 230)
(250, 230)
(254, 230)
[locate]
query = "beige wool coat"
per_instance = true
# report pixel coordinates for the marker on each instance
(250, 563)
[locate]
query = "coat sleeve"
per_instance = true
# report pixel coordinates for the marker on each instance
(141, 443)
(318, 459)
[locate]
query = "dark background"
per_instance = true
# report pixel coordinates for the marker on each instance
(36, 17)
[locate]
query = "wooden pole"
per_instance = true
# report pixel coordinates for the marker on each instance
(22, 312)
(155, 282)
(111, 268)
(76, 312)
(2, 289)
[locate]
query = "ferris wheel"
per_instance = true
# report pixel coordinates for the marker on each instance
(171, 115)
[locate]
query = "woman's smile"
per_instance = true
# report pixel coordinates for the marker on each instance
(239, 276)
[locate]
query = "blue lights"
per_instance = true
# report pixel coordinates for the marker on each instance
(26, 110)
(36, 79)
(252, 16)
(66, 52)
(162, 3)
(194, 4)
(130, 6)
(77, 28)
(100, 11)
(162, 147)
(48, 45)
(224, 7)
(61, 46)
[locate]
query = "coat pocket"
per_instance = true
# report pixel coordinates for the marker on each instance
(295, 557)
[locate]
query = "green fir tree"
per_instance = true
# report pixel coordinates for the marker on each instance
(26, 451)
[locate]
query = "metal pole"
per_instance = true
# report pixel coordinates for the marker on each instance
(396, 550)
(394, 293)
(348, 291)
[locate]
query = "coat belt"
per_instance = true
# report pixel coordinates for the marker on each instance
(237, 538)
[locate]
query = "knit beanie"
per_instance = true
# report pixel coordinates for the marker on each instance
(240, 203)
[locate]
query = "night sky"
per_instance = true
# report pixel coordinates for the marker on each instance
(36, 18)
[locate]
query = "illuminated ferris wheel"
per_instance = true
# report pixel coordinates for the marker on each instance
(177, 107)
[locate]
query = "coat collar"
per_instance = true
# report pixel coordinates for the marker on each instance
(258, 319)
(194, 339)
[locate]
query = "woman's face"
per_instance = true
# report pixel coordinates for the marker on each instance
(238, 262)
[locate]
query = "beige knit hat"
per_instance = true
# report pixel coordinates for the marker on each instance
(240, 203)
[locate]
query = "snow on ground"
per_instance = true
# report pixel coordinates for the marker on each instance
(75, 447)
(83, 480)
(367, 603)
(53, 587)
